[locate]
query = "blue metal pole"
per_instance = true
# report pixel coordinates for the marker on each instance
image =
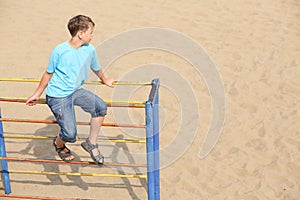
(150, 153)
(156, 143)
(4, 167)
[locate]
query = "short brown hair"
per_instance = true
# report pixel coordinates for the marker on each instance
(79, 23)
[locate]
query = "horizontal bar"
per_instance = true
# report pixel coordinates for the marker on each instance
(78, 123)
(71, 162)
(32, 197)
(77, 174)
(32, 80)
(117, 140)
(120, 83)
(109, 103)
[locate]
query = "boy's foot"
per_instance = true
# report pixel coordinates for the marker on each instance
(64, 153)
(94, 152)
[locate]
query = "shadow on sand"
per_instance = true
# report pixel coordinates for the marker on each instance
(43, 149)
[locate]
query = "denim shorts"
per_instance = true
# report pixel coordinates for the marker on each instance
(64, 112)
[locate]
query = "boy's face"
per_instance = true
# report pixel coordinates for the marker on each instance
(86, 36)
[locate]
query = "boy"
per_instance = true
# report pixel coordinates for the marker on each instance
(67, 71)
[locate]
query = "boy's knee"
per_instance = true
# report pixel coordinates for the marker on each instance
(101, 110)
(68, 135)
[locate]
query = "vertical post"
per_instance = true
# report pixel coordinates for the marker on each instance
(150, 149)
(4, 167)
(156, 141)
(152, 130)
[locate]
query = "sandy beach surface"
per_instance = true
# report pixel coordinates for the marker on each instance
(254, 46)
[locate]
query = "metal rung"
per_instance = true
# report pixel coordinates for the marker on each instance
(71, 162)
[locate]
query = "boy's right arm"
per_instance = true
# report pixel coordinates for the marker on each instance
(40, 89)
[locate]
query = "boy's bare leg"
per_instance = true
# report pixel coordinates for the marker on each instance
(60, 143)
(96, 123)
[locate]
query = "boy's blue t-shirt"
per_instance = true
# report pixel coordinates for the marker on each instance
(70, 68)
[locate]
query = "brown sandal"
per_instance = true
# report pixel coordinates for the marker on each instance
(65, 155)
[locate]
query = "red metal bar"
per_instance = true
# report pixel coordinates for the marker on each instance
(32, 197)
(78, 123)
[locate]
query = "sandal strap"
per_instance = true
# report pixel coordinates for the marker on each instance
(98, 158)
(91, 146)
(65, 155)
(58, 150)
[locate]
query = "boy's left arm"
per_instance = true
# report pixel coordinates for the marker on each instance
(106, 81)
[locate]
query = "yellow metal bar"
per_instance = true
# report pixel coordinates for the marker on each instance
(120, 83)
(28, 137)
(78, 174)
(125, 102)
(20, 80)
(43, 101)
(106, 164)
(32, 80)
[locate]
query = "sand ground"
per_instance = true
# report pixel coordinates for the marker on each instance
(255, 46)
